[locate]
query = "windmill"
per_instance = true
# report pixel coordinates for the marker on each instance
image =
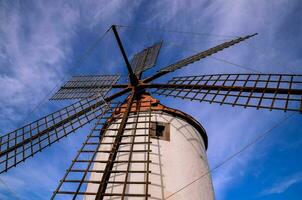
(139, 148)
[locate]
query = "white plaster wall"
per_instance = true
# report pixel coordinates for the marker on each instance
(175, 164)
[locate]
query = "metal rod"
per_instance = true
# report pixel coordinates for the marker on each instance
(133, 78)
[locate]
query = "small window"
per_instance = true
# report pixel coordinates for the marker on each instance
(160, 130)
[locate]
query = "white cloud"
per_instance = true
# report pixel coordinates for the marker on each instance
(282, 185)
(35, 46)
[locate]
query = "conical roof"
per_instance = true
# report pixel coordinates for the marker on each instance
(146, 102)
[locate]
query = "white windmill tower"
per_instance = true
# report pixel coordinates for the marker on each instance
(160, 150)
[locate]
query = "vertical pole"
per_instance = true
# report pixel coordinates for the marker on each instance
(132, 76)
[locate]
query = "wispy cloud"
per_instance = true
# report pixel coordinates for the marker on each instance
(282, 185)
(35, 49)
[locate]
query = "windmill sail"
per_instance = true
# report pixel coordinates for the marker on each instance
(74, 179)
(269, 91)
(24, 142)
(80, 87)
(197, 57)
(204, 54)
(145, 59)
(117, 144)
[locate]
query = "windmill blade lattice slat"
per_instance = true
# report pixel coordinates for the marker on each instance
(80, 87)
(95, 174)
(204, 54)
(24, 142)
(197, 57)
(269, 91)
(146, 58)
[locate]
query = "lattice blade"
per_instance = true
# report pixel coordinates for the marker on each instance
(269, 91)
(146, 58)
(86, 155)
(80, 87)
(24, 142)
(85, 177)
(196, 57)
(204, 54)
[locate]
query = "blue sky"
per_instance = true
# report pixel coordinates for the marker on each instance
(40, 44)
